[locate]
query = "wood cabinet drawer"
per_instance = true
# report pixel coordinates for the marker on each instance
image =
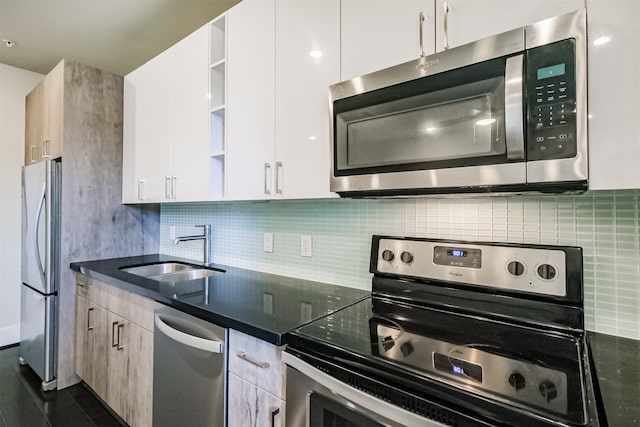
(252, 406)
(256, 361)
(133, 307)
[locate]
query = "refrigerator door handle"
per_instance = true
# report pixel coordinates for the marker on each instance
(36, 233)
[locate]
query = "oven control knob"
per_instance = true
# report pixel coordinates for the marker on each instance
(406, 257)
(517, 381)
(387, 255)
(515, 268)
(548, 390)
(546, 272)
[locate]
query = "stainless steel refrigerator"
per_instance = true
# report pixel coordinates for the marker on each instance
(41, 183)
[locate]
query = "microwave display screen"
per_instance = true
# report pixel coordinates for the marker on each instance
(552, 71)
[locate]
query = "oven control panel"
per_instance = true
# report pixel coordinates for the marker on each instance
(507, 267)
(518, 381)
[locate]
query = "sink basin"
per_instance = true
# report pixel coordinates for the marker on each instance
(184, 275)
(171, 271)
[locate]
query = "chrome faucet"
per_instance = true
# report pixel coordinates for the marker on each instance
(206, 236)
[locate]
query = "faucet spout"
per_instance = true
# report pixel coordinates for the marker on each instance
(206, 237)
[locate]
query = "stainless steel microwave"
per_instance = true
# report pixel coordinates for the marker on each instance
(503, 114)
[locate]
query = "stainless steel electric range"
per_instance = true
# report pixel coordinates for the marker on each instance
(454, 334)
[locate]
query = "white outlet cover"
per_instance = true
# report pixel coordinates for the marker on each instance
(306, 245)
(268, 242)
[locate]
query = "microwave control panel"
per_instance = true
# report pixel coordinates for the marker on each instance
(551, 101)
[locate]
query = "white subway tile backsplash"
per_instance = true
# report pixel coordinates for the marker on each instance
(605, 224)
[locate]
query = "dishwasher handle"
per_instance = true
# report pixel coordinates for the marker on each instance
(187, 339)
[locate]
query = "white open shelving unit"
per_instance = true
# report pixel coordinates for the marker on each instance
(217, 105)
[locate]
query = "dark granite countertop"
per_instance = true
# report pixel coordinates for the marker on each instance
(617, 365)
(262, 305)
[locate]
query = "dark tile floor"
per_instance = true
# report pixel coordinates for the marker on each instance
(24, 404)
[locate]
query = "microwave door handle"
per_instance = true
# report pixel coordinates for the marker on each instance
(513, 111)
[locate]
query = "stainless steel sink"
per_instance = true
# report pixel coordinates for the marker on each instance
(184, 275)
(171, 271)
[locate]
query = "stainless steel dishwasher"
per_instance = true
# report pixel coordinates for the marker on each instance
(189, 371)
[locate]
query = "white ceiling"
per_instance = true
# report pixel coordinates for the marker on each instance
(113, 35)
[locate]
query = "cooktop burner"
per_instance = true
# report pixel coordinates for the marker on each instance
(494, 330)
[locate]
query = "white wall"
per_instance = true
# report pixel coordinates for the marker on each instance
(15, 84)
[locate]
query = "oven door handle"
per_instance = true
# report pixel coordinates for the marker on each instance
(513, 107)
(365, 403)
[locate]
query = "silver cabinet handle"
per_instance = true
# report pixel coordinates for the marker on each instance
(267, 188)
(421, 24)
(89, 326)
(242, 355)
(447, 9)
(174, 183)
(114, 343)
(120, 342)
(33, 148)
(188, 339)
(45, 148)
(513, 110)
(167, 187)
(141, 189)
(279, 169)
(274, 410)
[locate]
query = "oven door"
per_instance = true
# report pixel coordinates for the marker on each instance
(316, 399)
(460, 127)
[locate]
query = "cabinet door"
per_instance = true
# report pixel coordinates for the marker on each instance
(251, 97)
(129, 370)
(34, 125)
(614, 64)
(54, 109)
(250, 406)
(471, 20)
(91, 345)
(377, 34)
(190, 117)
(307, 62)
(147, 133)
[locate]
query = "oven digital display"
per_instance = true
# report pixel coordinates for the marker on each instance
(457, 256)
(456, 252)
(457, 367)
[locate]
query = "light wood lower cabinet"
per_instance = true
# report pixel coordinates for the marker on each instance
(255, 383)
(249, 405)
(114, 354)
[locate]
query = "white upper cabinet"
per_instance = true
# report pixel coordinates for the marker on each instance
(614, 67)
(470, 20)
(378, 34)
(307, 62)
(277, 103)
(166, 125)
(250, 115)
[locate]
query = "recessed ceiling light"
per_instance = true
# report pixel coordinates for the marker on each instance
(315, 53)
(8, 43)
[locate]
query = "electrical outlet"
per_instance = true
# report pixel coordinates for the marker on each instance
(172, 232)
(268, 242)
(306, 245)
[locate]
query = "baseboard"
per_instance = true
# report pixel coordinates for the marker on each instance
(9, 335)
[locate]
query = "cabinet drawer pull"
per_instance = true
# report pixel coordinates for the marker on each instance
(89, 326)
(174, 183)
(447, 10)
(267, 173)
(274, 410)
(33, 159)
(421, 23)
(120, 337)
(242, 355)
(45, 148)
(279, 181)
(141, 189)
(167, 187)
(114, 343)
